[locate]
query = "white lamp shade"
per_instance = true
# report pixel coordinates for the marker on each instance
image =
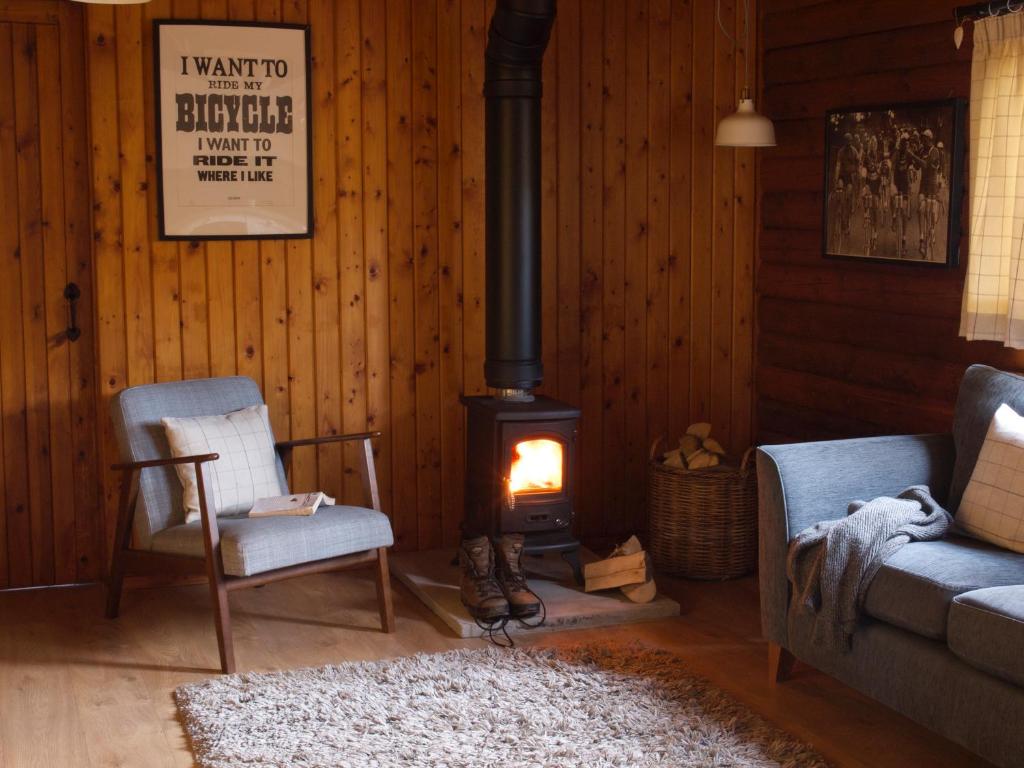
(745, 128)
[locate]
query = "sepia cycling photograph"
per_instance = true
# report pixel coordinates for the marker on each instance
(893, 182)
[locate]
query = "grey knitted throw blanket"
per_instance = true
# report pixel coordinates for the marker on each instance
(831, 564)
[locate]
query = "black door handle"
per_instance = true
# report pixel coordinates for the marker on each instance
(72, 293)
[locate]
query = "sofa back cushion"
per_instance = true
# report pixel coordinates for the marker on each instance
(992, 507)
(982, 391)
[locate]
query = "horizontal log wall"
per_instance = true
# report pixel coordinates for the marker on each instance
(378, 321)
(847, 348)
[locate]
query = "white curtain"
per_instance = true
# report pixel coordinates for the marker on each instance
(993, 304)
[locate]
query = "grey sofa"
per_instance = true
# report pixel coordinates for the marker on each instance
(942, 639)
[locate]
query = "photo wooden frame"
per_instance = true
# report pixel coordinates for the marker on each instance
(893, 183)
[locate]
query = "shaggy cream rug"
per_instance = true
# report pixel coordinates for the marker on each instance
(592, 706)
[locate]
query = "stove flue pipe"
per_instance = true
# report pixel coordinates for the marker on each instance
(517, 38)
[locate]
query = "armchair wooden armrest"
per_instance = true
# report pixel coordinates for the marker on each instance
(369, 473)
(287, 445)
(130, 472)
(199, 458)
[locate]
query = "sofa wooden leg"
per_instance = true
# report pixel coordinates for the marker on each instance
(780, 663)
(387, 610)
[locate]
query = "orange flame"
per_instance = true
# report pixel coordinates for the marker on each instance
(536, 466)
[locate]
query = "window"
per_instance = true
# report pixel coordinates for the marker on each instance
(993, 303)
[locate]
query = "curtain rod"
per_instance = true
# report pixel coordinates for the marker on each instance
(977, 11)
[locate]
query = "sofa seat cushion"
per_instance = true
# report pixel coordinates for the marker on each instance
(986, 629)
(261, 544)
(915, 587)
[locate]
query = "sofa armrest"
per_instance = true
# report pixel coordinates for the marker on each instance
(805, 483)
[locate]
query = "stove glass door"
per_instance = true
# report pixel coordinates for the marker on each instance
(537, 466)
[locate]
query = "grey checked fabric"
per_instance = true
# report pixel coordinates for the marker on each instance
(137, 414)
(247, 467)
(265, 543)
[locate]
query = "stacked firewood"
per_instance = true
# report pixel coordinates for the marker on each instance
(627, 568)
(697, 449)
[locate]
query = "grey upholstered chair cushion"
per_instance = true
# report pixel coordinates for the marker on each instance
(982, 391)
(915, 587)
(136, 414)
(986, 629)
(261, 544)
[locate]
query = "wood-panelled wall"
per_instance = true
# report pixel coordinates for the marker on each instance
(51, 529)
(847, 348)
(378, 321)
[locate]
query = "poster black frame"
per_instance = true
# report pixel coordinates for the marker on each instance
(954, 232)
(307, 62)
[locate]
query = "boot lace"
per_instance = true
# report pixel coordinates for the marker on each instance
(485, 582)
(515, 581)
(496, 630)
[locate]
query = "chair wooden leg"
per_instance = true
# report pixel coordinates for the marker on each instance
(122, 541)
(215, 573)
(222, 621)
(780, 664)
(115, 581)
(387, 610)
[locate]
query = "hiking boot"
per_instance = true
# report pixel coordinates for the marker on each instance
(480, 592)
(512, 579)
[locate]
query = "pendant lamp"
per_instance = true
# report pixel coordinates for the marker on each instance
(744, 127)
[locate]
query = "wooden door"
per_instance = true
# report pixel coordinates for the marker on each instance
(51, 531)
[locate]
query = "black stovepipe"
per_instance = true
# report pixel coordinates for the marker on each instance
(517, 39)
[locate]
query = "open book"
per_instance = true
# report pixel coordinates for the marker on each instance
(295, 504)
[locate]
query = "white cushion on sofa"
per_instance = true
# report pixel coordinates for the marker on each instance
(992, 508)
(247, 467)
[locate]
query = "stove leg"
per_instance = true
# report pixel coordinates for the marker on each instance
(572, 557)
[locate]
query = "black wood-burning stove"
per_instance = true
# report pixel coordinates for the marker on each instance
(521, 472)
(520, 449)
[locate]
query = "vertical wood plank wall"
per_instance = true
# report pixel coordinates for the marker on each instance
(51, 530)
(378, 321)
(847, 348)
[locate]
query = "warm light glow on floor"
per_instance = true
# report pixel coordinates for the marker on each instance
(536, 466)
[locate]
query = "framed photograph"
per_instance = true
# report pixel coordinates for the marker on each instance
(894, 182)
(233, 130)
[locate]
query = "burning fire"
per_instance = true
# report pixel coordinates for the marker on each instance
(536, 466)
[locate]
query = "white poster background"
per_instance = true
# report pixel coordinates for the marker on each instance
(242, 202)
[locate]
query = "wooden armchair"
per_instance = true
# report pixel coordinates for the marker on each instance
(235, 552)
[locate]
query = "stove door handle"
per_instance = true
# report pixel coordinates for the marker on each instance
(509, 497)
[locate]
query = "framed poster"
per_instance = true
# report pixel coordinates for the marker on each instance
(233, 130)
(894, 182)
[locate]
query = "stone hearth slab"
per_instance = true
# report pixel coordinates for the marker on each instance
(434, 580)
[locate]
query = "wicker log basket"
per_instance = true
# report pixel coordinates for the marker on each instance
(702, 522)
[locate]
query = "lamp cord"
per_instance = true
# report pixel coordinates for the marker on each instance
(735, 42)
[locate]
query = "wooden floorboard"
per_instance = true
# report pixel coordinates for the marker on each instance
(102, 690)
